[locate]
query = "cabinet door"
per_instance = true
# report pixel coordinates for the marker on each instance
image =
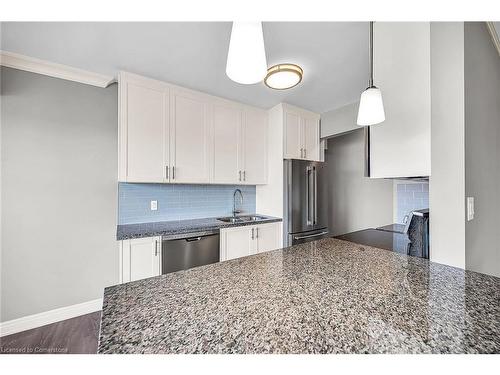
(293, 137)
(143, 131)
(226, 129)
(141, 258)
(255, 147)
(311, 138)
(237, 242)
(268, 236)
(189, 139)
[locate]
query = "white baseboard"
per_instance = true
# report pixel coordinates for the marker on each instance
(37, 320)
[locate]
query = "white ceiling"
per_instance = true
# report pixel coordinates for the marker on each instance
(334, 55)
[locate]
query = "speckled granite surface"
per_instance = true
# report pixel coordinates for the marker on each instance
(175, 229)
(328, 296)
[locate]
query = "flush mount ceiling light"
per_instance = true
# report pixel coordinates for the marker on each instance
(283, 76)
(246, 58)
(371, 105)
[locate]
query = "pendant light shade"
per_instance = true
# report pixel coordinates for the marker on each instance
(371, 106)
(246, 58)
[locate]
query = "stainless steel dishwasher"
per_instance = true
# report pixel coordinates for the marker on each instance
(188, 252)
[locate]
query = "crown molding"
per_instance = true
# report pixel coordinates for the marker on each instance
(494, 35)
(33, 65)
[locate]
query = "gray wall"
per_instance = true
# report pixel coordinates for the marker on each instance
(482, 149)
(356, 202)
(59, 192)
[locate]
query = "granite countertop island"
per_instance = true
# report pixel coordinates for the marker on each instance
(179, 228)
(327, 296)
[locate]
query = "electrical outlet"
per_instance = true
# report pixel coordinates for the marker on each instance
(154, 205)
(470, 208)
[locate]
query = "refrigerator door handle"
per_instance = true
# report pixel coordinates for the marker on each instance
(312, 195)
(310, 235)
(315, 176)
(309, 202)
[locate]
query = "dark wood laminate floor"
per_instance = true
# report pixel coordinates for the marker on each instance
(73, 336)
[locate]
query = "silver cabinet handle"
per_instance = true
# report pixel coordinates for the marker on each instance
(156, 248)
(253, 229)
(257, 230)
(301, 152)
(309, 236)
(305, 153)
(173, 173)
(166, 172)
(244, 175)
(239, 172)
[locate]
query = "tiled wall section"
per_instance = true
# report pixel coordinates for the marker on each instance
(411, 196)
(179, 202)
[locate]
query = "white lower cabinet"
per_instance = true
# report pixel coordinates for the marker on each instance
(236, 243)
(140, 258)
(268, 237)
(243, 241)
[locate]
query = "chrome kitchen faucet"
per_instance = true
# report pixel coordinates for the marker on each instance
(234, 202)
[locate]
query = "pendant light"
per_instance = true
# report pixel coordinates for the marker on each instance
(246, 58)
(371, 105)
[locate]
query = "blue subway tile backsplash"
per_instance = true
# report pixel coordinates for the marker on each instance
(179, 202)
(411, 196)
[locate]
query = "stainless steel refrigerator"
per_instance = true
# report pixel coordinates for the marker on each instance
(305, 201)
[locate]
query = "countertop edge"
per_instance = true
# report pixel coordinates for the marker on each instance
(211, 228)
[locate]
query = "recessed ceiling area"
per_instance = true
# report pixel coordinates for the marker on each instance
(334, 55)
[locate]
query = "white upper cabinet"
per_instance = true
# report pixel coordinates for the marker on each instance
(227, 157)
(240, 145)
(189, 138)
(143, 132)
(171, 134)
(254, 146)
(301, 134)
(401, 145)
(293, 148)
(311, 138)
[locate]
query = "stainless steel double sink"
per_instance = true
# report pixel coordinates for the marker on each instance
(241, 219)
